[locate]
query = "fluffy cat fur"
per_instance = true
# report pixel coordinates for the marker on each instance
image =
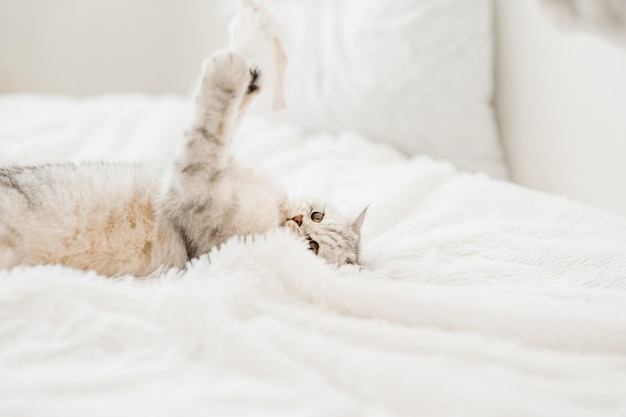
(122, 219)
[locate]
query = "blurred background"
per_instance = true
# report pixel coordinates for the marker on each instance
(89, 47)
(559, 92)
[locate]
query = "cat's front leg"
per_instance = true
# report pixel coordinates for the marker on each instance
(228, 86)
(202, 190)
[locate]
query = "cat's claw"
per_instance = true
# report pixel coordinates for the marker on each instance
(255, 78)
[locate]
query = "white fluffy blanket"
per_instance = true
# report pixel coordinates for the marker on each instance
(478, 297)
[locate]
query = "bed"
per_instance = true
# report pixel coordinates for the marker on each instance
(474, 297)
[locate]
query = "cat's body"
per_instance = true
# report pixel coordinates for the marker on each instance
(91, 216)
(121, 219)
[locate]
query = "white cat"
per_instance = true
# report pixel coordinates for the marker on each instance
(122, 219)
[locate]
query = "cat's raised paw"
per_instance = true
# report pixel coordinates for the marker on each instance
(227, 70)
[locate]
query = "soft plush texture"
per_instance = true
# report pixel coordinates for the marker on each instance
(415, 74)
(477, 297)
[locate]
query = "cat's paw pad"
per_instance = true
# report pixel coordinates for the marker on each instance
(254, 86)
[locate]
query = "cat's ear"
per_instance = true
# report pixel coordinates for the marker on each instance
(356, 225)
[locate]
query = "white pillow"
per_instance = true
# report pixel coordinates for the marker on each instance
(414, 73)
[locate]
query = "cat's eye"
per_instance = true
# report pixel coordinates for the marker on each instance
(314, 246)
(317, 217)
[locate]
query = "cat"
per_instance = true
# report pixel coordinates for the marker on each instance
(128, 219)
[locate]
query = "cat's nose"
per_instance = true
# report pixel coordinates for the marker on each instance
(298, 219)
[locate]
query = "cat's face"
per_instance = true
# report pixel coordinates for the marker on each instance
(331, 235)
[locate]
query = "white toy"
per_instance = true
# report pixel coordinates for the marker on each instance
(256, 33)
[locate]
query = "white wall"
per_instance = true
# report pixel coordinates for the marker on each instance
(561, 98)
(95, 46)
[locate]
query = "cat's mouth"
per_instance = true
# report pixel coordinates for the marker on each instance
(294, 224)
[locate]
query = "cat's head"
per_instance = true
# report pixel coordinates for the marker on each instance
(331, 235)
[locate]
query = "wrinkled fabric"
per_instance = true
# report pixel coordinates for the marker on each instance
(475, 297)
